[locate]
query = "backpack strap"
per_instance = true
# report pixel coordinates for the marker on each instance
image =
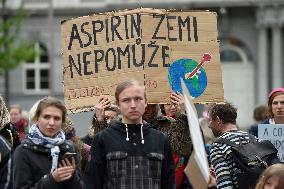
(225, 141)
(230, 143)
(252, 138)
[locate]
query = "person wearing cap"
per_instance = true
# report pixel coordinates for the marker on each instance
(6, 150)
(130, 153)
(275, 107)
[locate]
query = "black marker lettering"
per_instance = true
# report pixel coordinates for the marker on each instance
(72, 64)
(156, 47)
(87, 33)
(86, 63)
(165, 54)
(162, 17)
(170, 28)
(142, 56)
(186, 24)
(195, 29)
(106, 28)
(107, 59)
(115, 26)
(98, 59)
(95, 31)
(135, 25)
(126, 27)
(74, 35)
(123, 53)
(265, 132)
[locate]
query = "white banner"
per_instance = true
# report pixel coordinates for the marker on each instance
(275, 134)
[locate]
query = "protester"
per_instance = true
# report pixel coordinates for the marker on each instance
(222, 121)
(6, 164)
(176, 129)
(178, 132)
(39, 161)
(154, 116)
(259, 115)
(18, 121)
(11, 135)
(272, 178)
(275, 108)
(168, 110)
(105, 112)
(9, 132)
(130, 153)
(204, 125)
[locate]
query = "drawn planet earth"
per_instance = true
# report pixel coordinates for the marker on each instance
(196, 85)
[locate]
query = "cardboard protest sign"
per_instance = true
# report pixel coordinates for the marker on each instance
(275, 134)
(197, 169)
(154, 46)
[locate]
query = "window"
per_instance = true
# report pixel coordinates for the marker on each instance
(234, 51)
(229, 55)
(232, 54)
(36, 72)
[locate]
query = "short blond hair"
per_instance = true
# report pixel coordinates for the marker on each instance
(125, 84)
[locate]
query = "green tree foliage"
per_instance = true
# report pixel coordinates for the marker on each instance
(13, 49)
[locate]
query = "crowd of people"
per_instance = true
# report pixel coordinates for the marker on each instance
(130, 144)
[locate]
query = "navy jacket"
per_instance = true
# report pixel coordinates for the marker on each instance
(120, 163)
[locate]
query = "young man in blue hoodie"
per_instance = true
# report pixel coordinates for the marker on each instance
(130, 153)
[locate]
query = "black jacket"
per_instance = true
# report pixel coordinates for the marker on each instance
(11, 135)
(87, 139)
(6, 167)
(118, 163)
(32, 165)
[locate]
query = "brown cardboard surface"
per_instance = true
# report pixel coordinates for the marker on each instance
(193, 172)
(101, 50)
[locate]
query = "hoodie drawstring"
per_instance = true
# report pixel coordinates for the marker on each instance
(126, 127)
(141, 129)
(142, 138)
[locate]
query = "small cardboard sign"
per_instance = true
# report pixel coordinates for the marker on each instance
(275, 134)
(197, 169)
(154, 46)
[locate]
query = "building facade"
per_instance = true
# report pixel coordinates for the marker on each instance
(250, 33)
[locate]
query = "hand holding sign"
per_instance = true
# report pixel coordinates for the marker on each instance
(178, 100)
(103, 103)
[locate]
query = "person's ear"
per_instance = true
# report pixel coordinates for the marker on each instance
(219, 120)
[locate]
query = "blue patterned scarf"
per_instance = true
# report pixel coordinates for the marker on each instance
(38, 138)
